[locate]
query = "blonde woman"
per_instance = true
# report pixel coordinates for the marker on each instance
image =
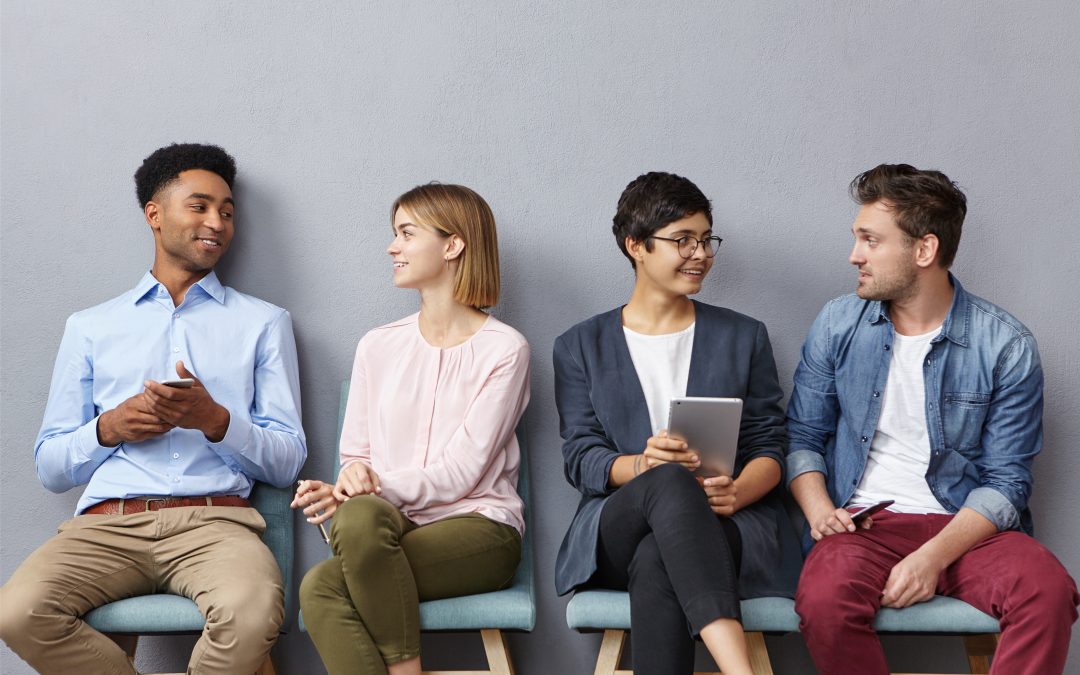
(426, 505)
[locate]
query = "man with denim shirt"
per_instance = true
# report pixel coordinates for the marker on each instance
(167, 469)
(916, 391)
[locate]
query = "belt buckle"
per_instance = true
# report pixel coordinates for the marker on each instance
(146, 502)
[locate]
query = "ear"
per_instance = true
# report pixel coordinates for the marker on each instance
(455, 246)
(635, 248)
(926, 250)
(152, 213)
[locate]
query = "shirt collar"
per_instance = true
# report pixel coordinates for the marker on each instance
(957, 321)
(210, 284)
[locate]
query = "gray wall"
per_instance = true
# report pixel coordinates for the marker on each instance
(547, 109)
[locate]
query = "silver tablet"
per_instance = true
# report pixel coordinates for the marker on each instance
(711, 427)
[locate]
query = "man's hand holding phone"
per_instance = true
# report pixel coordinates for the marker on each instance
(189, 407)
(130, 422)
(840, 520)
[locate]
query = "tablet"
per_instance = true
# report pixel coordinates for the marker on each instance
(711, 427)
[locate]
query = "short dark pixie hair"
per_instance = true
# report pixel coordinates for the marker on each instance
(922, 202)
(652, 201)
(166, 164)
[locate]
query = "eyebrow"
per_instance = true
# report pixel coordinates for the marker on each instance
(209, 198)
(707, 233)
(398, 228)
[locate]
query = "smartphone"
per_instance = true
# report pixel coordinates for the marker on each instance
(865, 512)
(185, 383)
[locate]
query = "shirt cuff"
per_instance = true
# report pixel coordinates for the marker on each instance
(995, 507)
(87, 438)
(237, 436)
(804, 461)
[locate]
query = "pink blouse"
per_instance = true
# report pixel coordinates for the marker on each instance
(437, 425)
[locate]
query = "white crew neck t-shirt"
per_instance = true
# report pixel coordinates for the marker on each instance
(662, 363)
(900, 450)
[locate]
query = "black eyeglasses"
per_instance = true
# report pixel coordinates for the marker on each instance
(688, 245)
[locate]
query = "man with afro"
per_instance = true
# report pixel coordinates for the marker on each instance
(167, 402)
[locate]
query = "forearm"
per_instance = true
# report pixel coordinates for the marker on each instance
(810, 492)
(625, 468)
(756, 480)
(967, 528)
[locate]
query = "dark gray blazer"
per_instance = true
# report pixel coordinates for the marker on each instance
(603, 413)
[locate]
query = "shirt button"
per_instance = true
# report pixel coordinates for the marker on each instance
(886, 347)
(176, 315)
(877, 394)
(931, 406)
(863, 439)
(176, 350)
(176, 455)
(176, 480)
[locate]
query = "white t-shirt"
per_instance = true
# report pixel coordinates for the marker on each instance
(662, 363)
(900, 450)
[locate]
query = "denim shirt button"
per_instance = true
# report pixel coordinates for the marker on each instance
(863, 439)
(877, 394)
(886, 347)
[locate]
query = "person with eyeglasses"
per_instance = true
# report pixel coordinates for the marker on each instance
(686, 548)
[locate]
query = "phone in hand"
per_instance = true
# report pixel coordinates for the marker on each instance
(865, 512)
(183, 383)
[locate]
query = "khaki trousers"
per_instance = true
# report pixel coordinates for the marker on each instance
(211, 554)
(362, 606)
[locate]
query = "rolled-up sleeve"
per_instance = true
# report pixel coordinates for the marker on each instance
(814, 408)
(587, 452)
(1011, 437)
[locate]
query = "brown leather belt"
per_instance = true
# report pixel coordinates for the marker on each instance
(120, 507)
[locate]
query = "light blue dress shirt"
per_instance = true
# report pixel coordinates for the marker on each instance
(241, 348)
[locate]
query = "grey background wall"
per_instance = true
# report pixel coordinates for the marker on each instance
(548, 110)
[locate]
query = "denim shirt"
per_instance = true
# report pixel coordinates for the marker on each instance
(984, 402)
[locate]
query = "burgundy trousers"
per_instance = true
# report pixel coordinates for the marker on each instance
(1008, 575)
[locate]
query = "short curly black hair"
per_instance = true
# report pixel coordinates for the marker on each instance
(652, 201)
(165, 165)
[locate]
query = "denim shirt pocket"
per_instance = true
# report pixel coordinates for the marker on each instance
(963, 417)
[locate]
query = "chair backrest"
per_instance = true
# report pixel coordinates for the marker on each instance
(273, 504)
(524, 574)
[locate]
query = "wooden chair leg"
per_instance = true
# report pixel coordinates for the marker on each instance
(759, 654)
(498, 655)
(610, 652)
(979, 650)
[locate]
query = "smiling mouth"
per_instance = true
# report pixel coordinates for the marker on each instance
(399, 265)
(693, 272)
(210, 243)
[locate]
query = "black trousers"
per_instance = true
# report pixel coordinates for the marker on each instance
(660, 541)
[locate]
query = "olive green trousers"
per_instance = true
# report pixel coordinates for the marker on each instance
(362, 606)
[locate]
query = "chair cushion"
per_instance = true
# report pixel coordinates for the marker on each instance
(601, 610)
(509, 609)
(147, 614)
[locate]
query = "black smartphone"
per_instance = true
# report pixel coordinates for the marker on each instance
(865, 512)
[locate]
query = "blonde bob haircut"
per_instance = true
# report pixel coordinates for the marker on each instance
(457, 210)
